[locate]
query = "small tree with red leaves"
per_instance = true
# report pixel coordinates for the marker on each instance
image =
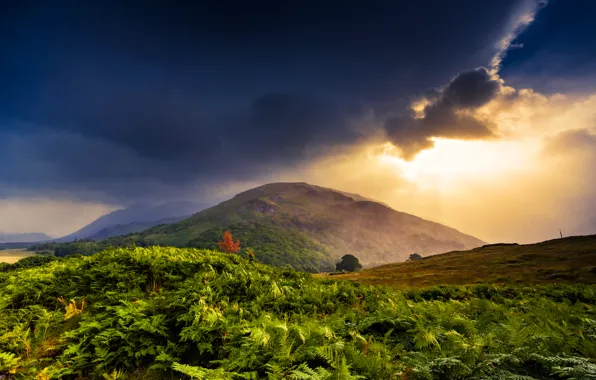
(228, 244)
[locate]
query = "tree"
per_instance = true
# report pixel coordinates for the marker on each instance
(228, 244)
(348, 263)
(414, 256)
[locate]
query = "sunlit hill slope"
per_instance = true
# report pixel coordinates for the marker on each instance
(311, 227)
(571, 260)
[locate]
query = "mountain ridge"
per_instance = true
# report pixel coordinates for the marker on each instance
(132, 219)
(26, 237)
(330, 222)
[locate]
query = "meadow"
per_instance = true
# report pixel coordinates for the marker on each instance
(568, 260)
(168, 313)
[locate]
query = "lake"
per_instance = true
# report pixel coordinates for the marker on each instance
(13, 255)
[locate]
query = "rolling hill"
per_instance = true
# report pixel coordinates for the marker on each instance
(135, 218)
(310, 227)
(23, 237)
(571, 259)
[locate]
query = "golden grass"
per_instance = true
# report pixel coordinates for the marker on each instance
(571, 260)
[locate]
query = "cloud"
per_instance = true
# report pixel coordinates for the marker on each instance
(52, 216)
(451, 112)
(521, 19)
(571, 142)
(170, 108)
(118, 102)
(155, 150)
(537, 178)
(447, 113)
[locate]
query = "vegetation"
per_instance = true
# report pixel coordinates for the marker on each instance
(27, 262)
(348, 263)
(571, 260)
(414, 256)
(270, 244)
(298, 225)
(227, 244)
(143, 313)
(7, 246)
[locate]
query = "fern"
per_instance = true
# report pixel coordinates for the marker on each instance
(215, 316)
(9, 362)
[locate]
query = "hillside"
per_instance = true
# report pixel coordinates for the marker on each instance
(166, 313)
(130, 228)
(133, 219)
(23, 237)
(571, 259)
(311, 227)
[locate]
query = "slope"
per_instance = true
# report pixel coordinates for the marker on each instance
(571, 259)
(23, 237)
(133, 219)
(167, 313)
(130, 228)
(311, 227)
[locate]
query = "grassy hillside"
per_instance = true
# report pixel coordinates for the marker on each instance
(309, 228)
(571, 259)
(166, 313)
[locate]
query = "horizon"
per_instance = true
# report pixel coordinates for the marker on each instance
(158, 204)
(488, 127)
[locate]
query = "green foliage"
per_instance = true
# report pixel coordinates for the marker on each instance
(273, 245)
(28, 262)
(299, 225)
(167, 313)
(348, 263)
(8, 362)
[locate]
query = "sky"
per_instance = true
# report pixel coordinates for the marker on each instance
(477, 114)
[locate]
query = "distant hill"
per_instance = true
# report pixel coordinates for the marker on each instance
(310, 228)
(24, 237)
(571, 259)
(130, 228)
(133, 219)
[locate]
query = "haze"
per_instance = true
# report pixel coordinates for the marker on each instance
(480, 115)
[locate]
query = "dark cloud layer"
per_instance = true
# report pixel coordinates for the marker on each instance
(448, 114)
(559, 50)
(123, 99)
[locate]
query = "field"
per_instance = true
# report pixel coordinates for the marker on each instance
(571, 260)
(167, 313)
(11, 256)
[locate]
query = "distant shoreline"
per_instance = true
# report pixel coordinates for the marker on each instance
(11, 256)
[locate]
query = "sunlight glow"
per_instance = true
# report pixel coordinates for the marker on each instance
(452, 162)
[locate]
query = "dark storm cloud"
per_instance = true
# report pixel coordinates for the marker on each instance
(470, 89)
(126, 99)
(448, 114)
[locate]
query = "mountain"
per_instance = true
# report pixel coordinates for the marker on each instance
(134, 219)
(571, 260)
(311, 227)
(24, 237)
